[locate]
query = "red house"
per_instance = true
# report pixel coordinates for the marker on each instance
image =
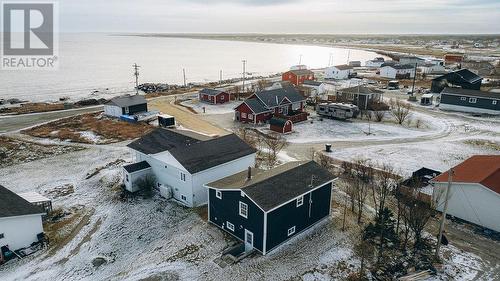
(297, 77)
(281, 125)
(213, 96)
(286, 103)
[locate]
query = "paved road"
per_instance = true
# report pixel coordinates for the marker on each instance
(11, 123)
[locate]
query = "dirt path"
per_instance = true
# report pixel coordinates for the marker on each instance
(185, 118)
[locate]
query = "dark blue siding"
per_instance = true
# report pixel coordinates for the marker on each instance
(227, 209)
(289, 215)
(481, 102)
(136, 108)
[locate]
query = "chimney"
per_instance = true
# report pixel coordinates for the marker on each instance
(249, 174)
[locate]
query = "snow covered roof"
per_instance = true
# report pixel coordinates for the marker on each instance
(312, 83)
(13, 205)
(211, 92)
(33, 197)
(482, 169)
(125, 101)
(343, 67)
(271, 188)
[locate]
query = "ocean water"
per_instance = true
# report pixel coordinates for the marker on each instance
(100, 65)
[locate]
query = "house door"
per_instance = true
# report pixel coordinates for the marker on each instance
(248, 240)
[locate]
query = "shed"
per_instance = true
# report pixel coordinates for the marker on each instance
(134, 173)
(166, 121)
(38, 200)
(281, 125)
(214, 96)
(427, 99)
(125, 105)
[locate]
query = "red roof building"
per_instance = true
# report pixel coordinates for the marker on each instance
(297, 77)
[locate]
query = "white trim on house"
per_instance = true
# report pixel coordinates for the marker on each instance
(264, 232)
(291, 231)
(469, 109)
(229, 226)
(218, 194)
(300, 201)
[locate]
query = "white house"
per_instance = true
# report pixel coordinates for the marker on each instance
(430, 68)
(20, 221)
(125, 105)
(412, 60)
(397, 71)
(338, 72)
(182, 162)
(475, 191)
(375, 63)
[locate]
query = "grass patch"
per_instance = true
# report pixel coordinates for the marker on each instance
(484, 144)
(103, 130)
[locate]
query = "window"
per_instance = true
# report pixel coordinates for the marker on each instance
(243, 115)
(184, 198)
(463, 98)
(222, 97)
(183, 177)
(218, 194)
(472, 100)
(230, 226)
(243, 210)
(494, 102)
(300, 201)
(126, 177)
(291, 230)
(250, 116)
(2, 235)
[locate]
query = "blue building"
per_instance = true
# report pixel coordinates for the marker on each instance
(266, 208)
(473, 101)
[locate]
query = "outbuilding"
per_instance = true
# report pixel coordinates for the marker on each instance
(125, 105)
(20, 222)
(427, 99)
(134, 173)
(474, 195)
(214, 96)
(297, 76)
(281, 125)
(338, 72)
(264, 209)
(398, 71)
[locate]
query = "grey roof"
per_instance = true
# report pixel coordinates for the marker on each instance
(403, 66)
(312, 83)
(273, 98)
(276, 121)
(193, 154)
(301, 72)
(207, 154)
(363, 90)
(125, 101)
(256, 106)
(269, 189)
(471, 93)
(411, 57)
(12, 205)
(160, 140)
(211, 92)
(137, 167)
(343, 67)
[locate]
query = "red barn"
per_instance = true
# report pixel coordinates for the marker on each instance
(297, 77)
(453, 58)
(286, 103)
(214, 96)
(281, 125)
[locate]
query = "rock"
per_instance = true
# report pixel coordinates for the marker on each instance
(97, 262)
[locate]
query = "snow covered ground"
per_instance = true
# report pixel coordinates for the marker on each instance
(198, 106)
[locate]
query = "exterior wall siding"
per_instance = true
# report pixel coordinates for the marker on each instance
(471, 202)
(21, 231)
(303, 217)
(481, 103)
(137, 108)
(227, 209)
(112, 110)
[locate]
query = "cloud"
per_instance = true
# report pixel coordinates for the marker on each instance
(245, 2)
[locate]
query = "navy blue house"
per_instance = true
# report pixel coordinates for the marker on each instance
(266, 208)
(473, 101)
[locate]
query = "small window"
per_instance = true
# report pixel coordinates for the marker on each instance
(230, 226)
(250, 116)
(218, 194)
(300, 201)
(2, 235)
(184, 198)
(243, 210)
(494, 102)
(472, 100)
(183, 177)
(222, 97)
(291, 230)
(463, 98)
(243, 115)
(126, 177)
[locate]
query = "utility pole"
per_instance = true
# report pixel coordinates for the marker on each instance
(300, 59)
(136, 74)
(244, 76)
(414, 78)
(184, 75)
(220, 77)
(443, 218)
(348, 55)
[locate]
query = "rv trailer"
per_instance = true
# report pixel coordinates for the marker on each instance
(337, 110)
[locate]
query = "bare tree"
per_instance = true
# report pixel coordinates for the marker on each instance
(362, 181)
(247, 137)
(261, 85)
(274, 144)
(364, 250)
(324, 161)
(400, 110)
(349, 175)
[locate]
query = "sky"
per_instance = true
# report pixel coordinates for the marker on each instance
(281, 16)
